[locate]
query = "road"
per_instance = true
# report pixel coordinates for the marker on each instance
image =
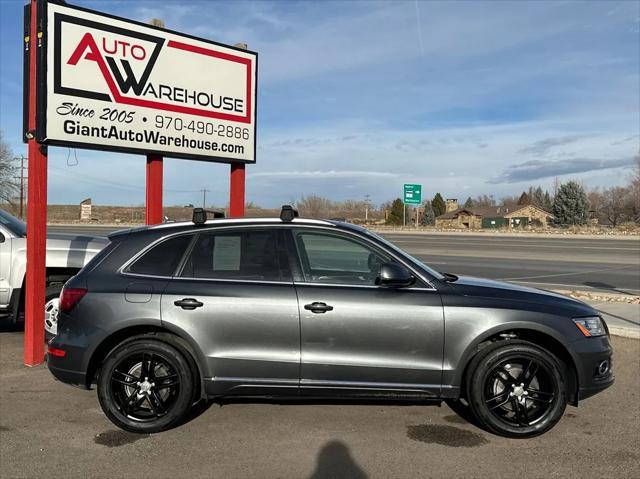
(48, 429)
(552, 262)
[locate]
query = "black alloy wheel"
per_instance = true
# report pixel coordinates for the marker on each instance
(519, 392)
(145, 386)
(517, 389)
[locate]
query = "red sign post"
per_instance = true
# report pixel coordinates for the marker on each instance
(36, 215)
(236, 190)
(154, 190)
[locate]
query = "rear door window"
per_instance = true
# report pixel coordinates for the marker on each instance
(162, 259)
(240, 255)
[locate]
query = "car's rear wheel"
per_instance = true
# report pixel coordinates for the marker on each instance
(145, 386)
(516, 389)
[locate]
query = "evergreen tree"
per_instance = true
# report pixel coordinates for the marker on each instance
(570, 206)
(524, 199)
(469, 203)
(396, 214)
(547, 204)
(429, 217)
(537, 196)
(438, 205)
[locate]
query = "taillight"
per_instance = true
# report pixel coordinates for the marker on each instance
(70, 297)
(58, 353)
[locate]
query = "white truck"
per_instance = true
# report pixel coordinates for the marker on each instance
(66, 255)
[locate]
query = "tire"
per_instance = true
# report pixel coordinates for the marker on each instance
(146, 385)
(516, 389)
(51, 295)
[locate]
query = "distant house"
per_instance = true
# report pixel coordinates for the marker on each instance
(494, 217)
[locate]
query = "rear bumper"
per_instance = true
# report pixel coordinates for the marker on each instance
(72, 368)
(68, 376)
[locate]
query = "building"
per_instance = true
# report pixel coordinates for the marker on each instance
(490, 217)
(451, 205)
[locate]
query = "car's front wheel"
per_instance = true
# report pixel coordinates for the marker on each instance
(146, 386)
(517, 389)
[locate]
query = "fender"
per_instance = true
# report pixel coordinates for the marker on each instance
(472, 348)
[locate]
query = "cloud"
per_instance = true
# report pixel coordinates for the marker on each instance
(624, 140)
(542, 147)
(538, 169)
(324, 174)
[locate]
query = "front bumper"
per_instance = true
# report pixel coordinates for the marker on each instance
(590, 353)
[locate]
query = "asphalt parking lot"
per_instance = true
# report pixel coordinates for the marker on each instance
(48, 429)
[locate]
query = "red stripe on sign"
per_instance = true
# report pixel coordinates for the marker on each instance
(94, 55)
(223, 56)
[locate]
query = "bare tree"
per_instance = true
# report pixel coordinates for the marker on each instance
(484, 200)
(314, 206)
(613, 204)
(8, 186)
(633, 199)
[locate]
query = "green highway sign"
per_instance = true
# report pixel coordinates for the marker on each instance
(412, 194)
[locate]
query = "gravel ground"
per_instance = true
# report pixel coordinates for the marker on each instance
(48, 429)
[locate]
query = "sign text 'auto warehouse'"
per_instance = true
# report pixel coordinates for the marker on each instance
(115, 84)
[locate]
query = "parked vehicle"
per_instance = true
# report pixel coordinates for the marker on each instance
(66, 255)
(169, 315)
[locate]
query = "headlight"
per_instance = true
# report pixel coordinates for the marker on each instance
(591, 326)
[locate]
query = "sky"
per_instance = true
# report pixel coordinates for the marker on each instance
(356, 98)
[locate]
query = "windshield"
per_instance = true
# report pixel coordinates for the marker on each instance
(388, 243)
(17, 227)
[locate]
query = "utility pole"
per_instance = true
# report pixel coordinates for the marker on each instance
(204, 197)
(22, 168)
(22, 187)
(367, 204)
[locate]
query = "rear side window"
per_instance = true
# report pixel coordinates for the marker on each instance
(248, 255)
(163, 258)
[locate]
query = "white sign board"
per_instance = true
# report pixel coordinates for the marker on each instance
(113, 84)
(85, 212)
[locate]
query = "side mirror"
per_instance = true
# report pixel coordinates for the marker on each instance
(1, 238)
(393, 275)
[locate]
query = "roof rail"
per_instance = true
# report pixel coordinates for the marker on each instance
(200, 215)
(287, 213)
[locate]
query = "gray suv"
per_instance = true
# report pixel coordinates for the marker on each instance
(167, 316)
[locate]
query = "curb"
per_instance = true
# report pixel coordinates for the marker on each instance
(599, 296)
(624, 332)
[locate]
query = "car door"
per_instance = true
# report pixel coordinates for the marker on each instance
(235, 297)
(357, 337)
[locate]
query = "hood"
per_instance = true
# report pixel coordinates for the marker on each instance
(487, 288)
(72, 250)
(76, 241)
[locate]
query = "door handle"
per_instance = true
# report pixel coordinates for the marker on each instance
(318, 307)
(188, 303)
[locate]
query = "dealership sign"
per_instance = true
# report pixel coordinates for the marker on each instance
(113, 84)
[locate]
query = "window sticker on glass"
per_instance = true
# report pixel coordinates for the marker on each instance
(226, 253)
